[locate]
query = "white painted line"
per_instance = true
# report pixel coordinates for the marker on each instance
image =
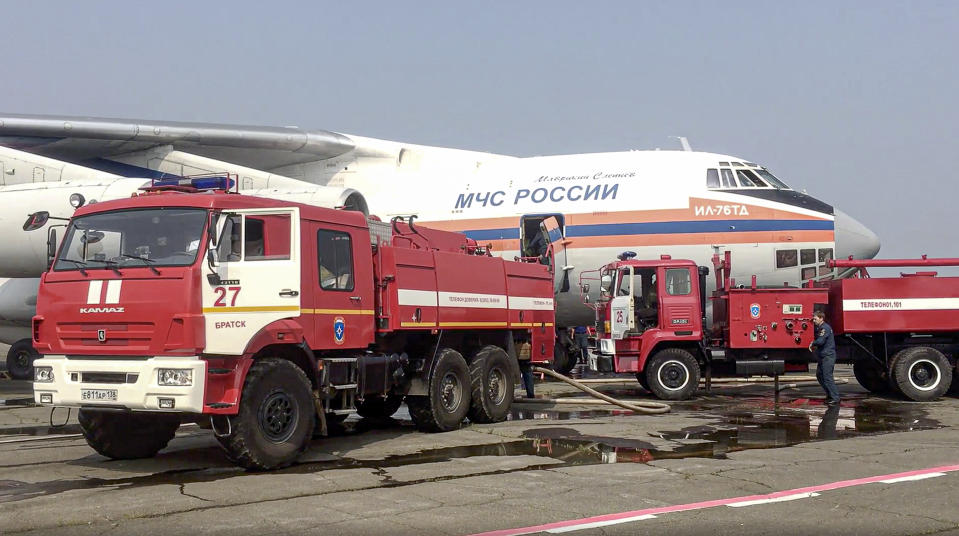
(425, 298)
(40, 438)
(113, 291)
(912, 478)
(601, 524)
(93, 291)
(783, 498)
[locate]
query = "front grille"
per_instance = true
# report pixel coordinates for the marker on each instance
(108, 377)
(135, 336)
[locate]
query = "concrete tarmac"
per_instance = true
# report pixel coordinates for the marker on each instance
(729, 462)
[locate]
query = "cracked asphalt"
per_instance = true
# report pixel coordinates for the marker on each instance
(548, 464)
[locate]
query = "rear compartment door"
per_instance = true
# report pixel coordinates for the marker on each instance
(258, 265)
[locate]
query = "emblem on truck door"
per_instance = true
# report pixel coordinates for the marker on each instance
(754, 310)
(339, 330)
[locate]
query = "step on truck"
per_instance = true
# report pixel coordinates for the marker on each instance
(268, 321)
(900, 333)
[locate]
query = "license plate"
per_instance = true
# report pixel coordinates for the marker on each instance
(98, 394)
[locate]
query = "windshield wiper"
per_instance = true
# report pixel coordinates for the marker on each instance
(79, 264)
(113, 266)
(148, 262)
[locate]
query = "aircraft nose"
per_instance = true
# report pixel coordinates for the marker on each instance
(854, 238)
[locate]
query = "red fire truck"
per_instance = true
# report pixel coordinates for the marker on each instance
(268, 319)
(652, 322)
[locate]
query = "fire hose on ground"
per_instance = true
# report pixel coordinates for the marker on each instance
(638, 407)
(643, 406)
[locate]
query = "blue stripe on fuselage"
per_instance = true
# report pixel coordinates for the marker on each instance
(670, 227)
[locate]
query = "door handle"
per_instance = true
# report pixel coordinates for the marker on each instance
(290, 293)
(355, 298)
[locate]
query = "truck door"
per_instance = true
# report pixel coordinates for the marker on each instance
(679, 304)
(343, 314)
(258, 265)
(621, 307)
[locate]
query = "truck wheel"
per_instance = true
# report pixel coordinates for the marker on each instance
(673, 374)
(127, 435)
(642, 381)
(379, 406)
(448, 401)
(276, 417)
(871, 376)
(20, 359)
(922, 373)
(563, 359)
(492, 385)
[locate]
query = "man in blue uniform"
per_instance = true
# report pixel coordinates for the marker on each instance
(825, 348)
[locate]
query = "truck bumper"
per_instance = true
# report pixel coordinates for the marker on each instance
(131, 384)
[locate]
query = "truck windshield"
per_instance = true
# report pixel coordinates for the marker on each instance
(154, 237)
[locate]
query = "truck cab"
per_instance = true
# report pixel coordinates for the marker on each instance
(646, 307)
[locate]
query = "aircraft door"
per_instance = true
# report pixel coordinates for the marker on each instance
(544, 236)
(621, 307)
(258, 268)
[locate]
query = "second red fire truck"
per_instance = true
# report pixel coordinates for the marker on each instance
(900, 333)
(267, 320)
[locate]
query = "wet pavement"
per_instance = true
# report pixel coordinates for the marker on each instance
(383, 477)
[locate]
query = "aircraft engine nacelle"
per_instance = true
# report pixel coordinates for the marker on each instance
(24, 253)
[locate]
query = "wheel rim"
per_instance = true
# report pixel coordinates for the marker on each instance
(451, 393)
(497, 386)
(673, 375)
(924, 375)
(22, 359)
(277, 417)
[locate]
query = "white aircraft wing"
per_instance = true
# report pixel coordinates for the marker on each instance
(78, 139)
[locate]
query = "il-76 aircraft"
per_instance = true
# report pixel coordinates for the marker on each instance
(591, 207)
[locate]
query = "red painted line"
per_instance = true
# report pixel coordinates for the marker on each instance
(716, 502)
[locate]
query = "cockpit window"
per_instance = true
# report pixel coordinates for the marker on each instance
(744, 180)
(757, 177)
(712, 178)
(772, 180)
(728, 180)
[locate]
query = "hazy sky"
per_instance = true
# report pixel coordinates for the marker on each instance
(853, 101)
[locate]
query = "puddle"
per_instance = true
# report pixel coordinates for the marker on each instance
(730, 426)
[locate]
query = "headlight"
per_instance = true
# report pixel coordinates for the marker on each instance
(175, 377)
(43, 374)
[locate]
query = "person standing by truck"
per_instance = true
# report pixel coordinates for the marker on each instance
(825, 348)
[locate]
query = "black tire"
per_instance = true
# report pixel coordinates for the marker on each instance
(276, 417)
(672, 374)
(563, 359)
(492, 385)
(643, 381)
(379, 407)
(127, 435)
(448, 401)
(20, 359)
(921, 373)
(872, 376)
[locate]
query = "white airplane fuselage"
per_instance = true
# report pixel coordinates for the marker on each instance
(650, 202)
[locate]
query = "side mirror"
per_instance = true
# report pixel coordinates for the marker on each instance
(51, 247)
(211, 229)
(36, 220)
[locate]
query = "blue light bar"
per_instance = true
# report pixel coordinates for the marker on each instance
(204, 183)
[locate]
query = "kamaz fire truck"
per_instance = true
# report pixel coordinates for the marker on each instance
(268, 319)
(901, 333)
